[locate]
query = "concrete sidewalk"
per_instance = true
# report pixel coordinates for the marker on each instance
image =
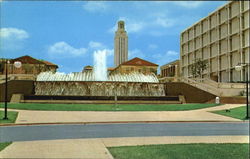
(97, 148)
(29, 116)
(77, 148)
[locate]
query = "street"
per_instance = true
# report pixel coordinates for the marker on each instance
(78, 131)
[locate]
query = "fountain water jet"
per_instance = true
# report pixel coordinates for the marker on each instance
(100, 68)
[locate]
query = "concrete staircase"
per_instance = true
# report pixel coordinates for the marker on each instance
(199, 83)
(216, 88)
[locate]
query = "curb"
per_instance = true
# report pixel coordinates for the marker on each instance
(116, 122)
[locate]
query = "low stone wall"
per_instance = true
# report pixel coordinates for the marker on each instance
(101, 102)
(231, 100)
(25, 87)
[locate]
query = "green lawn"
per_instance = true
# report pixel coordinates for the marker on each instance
(11, 117)
(3, 145)
(182, 151)
(238, 113)
(108, 107)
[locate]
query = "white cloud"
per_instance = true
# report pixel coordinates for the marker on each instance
(164, 22)
(189, 4)
(13, 33)
(94, 45)
(93, 6)
(62, 49)
(135, 26)
(12, 39)
(169, 56)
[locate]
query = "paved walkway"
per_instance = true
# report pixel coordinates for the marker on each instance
(77, 148)
(97, 148)
(28, 116)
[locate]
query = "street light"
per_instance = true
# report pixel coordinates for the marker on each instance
(6, 90)
(17, 64)
(239, 68)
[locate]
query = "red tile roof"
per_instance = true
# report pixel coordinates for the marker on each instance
(138, 62)
(49, 63)
(27, 60)
(111, 69)
(30, 60)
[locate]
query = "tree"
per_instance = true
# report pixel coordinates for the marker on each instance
(198, 67)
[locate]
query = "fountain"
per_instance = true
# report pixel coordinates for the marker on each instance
(98, 83)
(100, 69)
(85, 84)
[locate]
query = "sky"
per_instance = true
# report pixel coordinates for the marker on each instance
(68, 33)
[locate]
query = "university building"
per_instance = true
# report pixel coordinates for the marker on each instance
(136, 65)
(221, 39)
(170, 72)
(30, 66)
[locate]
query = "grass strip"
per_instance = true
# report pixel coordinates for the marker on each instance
(108, 107)
(182, 151)
(238, 113)
(11, 117)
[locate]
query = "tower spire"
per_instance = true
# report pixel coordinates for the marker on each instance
(120, 44)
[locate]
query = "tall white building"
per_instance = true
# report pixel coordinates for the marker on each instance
(121, 44)
(221, 39)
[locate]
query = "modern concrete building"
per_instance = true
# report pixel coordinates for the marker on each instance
(170, 72)
(222, 39)
(120, 44)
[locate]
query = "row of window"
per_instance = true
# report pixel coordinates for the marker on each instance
(222, 31)
(224, 76)
(141, 70)
(223, 61)
(234, 43)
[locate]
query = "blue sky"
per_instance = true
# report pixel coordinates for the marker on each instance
(67, 33)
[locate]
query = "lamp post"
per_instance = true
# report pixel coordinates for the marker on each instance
(239, 68)
(17, 64)
(6, 90)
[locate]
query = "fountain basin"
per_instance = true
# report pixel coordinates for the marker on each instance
(95, 88)
(101, 99)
